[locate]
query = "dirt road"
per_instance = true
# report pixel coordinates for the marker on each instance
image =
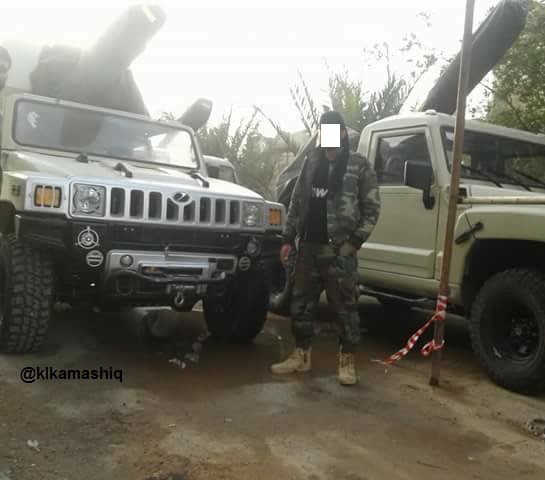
(220, 414)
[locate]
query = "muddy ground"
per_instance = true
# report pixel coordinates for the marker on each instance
(220, 414)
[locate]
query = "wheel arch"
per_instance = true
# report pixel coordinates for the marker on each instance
(490, 256)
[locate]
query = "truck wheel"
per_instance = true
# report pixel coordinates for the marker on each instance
(26, 296)
(507, 326)
(239, 315)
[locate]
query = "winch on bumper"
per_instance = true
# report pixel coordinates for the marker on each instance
(178, 273)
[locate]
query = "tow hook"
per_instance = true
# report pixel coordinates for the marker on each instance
(179, 298)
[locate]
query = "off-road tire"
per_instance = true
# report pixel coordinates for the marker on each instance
(505, 290)
(238, 316)
(26, 296)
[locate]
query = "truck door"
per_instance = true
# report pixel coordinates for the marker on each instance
(404, 240)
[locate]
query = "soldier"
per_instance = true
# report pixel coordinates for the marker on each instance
(334, 207)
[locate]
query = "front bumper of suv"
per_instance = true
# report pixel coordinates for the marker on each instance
(145, 261)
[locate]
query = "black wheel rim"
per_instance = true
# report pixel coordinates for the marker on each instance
(511, 330)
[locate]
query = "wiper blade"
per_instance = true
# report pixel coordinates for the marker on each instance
(530, 177)
(516, 181)
(121, 167)
(483, 174)
(198, 176)
(82, 157)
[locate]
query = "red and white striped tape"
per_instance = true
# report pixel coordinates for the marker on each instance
(439, 316)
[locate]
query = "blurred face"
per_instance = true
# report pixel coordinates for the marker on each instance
(331, 153)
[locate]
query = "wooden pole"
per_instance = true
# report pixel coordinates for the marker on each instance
(463, 82)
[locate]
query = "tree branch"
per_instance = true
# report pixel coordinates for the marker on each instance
(509, 103)
(285, 136)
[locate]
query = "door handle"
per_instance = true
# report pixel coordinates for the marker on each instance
(465, 236)
(428, 199)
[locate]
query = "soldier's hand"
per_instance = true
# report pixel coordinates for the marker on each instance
(347, 249)
(285, 253)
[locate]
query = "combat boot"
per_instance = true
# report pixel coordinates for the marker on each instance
(298, 361)
(347, 369)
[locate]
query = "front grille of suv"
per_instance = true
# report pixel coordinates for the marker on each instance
(152, 206)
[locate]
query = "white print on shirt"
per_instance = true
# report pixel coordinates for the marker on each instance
(319, 192)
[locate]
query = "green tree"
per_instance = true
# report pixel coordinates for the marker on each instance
(243, 145)
(304, 104)
(349, 96)
(360, 107)
(517, 94)
(255, 165)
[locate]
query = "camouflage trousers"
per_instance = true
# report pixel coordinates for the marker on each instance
(320, 267)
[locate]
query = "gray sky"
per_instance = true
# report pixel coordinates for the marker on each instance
(241, 52)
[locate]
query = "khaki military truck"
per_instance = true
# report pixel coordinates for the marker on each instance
(100, 204)
(497, 278)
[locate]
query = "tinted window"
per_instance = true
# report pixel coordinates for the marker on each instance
(394, 151)
(504, 159)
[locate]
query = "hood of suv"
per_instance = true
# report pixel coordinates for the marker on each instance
(508, 190)
(102, 169)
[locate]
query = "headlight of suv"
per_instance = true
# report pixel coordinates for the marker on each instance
(251, 214)
(88, 200)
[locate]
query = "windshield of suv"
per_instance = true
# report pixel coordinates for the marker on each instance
(504, 159)
(58, 127)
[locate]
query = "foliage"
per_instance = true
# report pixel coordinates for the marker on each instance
(255, 166)
(359, 106)
(517, 95)
(245, 148)
(252, 154)
(302, 99)
(347, 96)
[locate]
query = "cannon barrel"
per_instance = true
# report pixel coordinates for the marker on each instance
(100, 75)
(491, 41)
(114, 51)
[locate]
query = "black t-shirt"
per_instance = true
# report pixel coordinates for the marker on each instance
(316, 228)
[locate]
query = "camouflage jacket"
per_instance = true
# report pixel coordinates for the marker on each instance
(351, 214)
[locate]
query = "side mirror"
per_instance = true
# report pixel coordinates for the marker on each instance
(420, 175)
(197, 114)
